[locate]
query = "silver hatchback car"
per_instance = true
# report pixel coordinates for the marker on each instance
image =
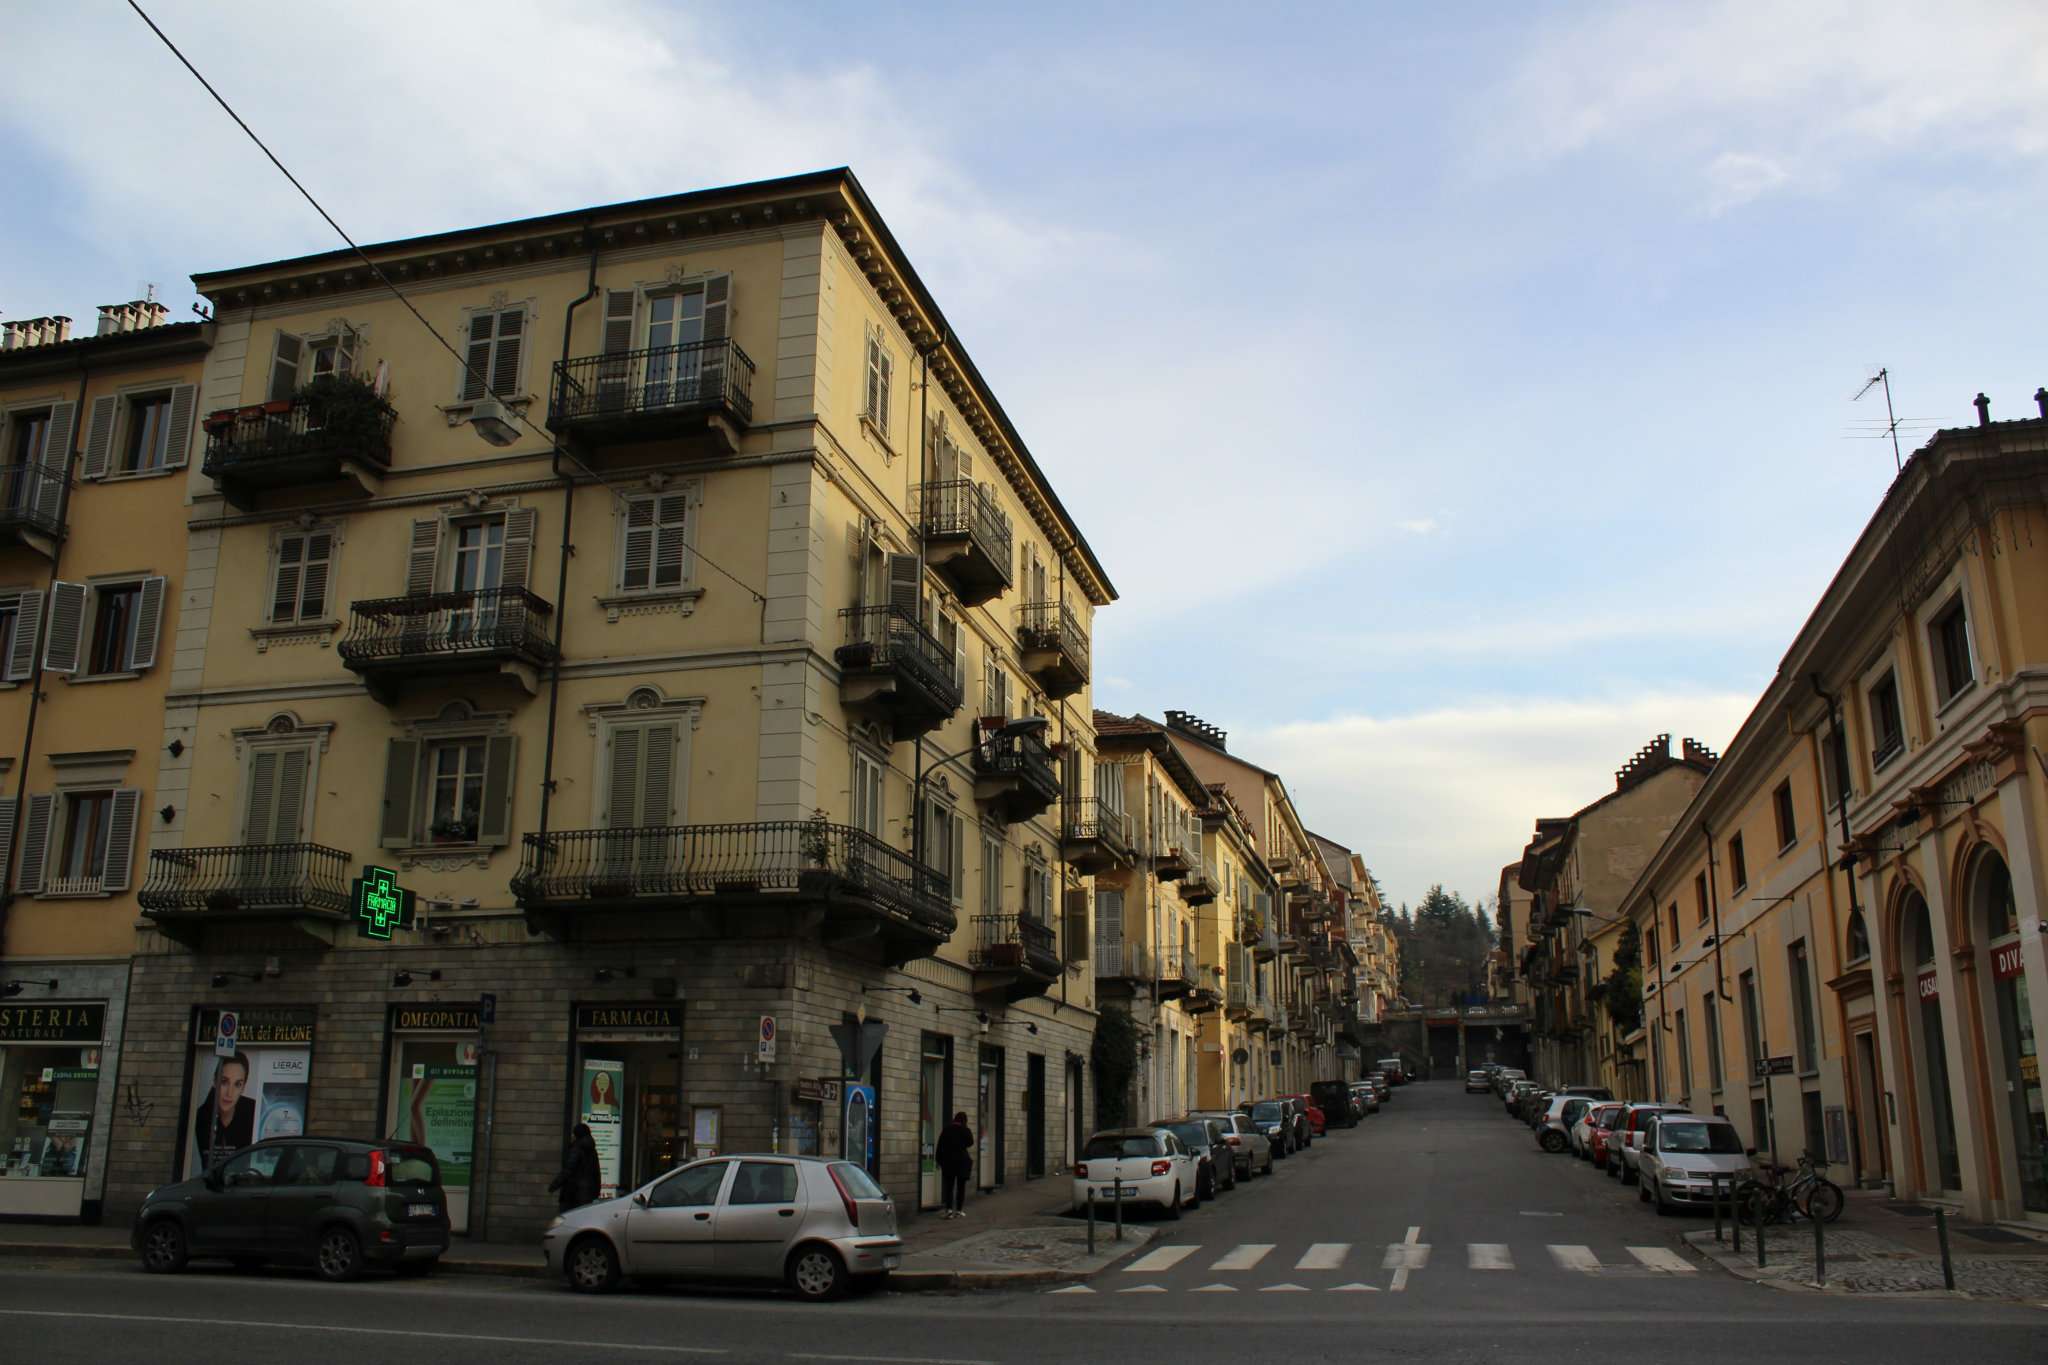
(821, 1226)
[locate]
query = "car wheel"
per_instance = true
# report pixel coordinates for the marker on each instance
(1173, 1208)
(1642, 1192)
(1663, 1209)
(816, 1273)
(339, 1255)
(591, 1267)
(1552, 1140)
(163, 1247)
(1205, 1184)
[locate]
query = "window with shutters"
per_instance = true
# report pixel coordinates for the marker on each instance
(991, 872)
(146, 446)
(274, 807)
(944, 832)
(455, 791)
(10, 625)
(301, 575)
(296, 359)
(80, 840)
(449, 782)
(82, 849)
(867, 793)
(496, 340)
(104, 629)
(881, 370)
(28, 436)
(640, 787)
(655, 534)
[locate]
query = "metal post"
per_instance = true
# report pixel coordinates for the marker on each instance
(1735, 1219)
(1719, 1185)
(1119, 1206)
(1948, 1268)
(1820, 1252)
(1760, 1260)
(1091, 1224)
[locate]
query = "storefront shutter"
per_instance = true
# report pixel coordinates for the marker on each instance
(401, 775)
(67, 625)
(497, 815)
(149, 621)
(20, 662)
(35, 843)
(121, 823)
(99, 439)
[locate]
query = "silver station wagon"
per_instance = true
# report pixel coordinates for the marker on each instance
(820, 1226)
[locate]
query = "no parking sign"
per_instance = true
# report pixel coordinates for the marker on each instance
(224, 1034)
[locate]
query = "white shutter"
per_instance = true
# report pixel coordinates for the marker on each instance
(284, 366)
(636, 544)
(260, 812)
(906, 581)
(121, 823)
(57, 438)
(658, 775)
(149, 620)
(99, 438)
(20, 663)
(520, 523)
(476, 368)
(717, 303)
(420, 559)
(67, 627)
(622, 800)
(184, 398)
(505, 355)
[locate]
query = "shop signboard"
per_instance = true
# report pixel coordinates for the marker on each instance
(382, 905)
(604, 1081)
(2005, 960)
(53, 1022)
(1773, 1066)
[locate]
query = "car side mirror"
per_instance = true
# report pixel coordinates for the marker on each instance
(1749, 1151)
(640, 1198)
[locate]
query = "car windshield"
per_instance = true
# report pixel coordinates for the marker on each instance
(1269, 1112)
(856, 1181)
(410, 1165)
(1714, 1139)
(1195, 1135)
(1120, 1145)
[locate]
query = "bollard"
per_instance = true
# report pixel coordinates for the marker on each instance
(1119, 1207)
(1091, 1220)
(1948, 1268)
(1735, 1219)
(1719, 1185)
(1820, 1253)
(1761, 1263)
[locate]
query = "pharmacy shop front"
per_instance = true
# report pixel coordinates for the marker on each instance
(52, 1127)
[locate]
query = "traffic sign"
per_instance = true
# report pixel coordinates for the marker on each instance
(1773, 1066)
(225, 1031)
(487, 1008)
(382, 905)
(765, 1049)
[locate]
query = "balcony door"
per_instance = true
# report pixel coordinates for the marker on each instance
(640, 809)
(675, 324)
(477, 569)
(273, 815)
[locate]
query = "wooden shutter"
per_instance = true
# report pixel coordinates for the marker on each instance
(284, 366)
(960, 657)
(8, 807)
(959, 870)
(671, 541)
(658, 762)
(259, 814)
(35, 842)
(518, 562)
(906, 581)
(401, 777)
(99, 438)
(67, 626)
(290, 572)
(149, 621)
(717, 302)
(505, 356)
(499, 753)
(20, 663)
(1075, 932)
(184, 398)
(345, 342)
(636, 545)
(420, 560)
(619, 306)
(121, 822)
(57, 438)
(476, 370)
(623, 796)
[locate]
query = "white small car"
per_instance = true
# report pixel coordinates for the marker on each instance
(1685, 1157)
(1136, 1166)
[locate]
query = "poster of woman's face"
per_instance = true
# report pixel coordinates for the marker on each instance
(601, 1095)
(243, 1096)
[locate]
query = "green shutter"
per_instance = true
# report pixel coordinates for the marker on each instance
(401, 778)
(499, 752)
(121, 825)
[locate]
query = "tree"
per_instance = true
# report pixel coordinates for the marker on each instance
(1444, 946)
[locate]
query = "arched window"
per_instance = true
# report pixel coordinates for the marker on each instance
(1921, 927)
(2001, 914)
(1859, 938)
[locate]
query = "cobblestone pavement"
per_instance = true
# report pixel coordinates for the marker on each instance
(1866, 1263)
(1025, 1247)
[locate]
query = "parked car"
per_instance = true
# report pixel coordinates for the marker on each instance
(1313, 1122)
(1554, 1125)
(1368, 1096)
(1589, 1124)
(336, 1204)
(1138, 1166)
(1249, 1145)
(1505, 1078)
(1591, 1092)
(1603, 1138)
(818, 1225)
(1626, 1139)
(1381, 1084)
(1534, 1105)
(1215, 1163)
(1681, 1156)
(1275, 1121)
(1397, 1072)
(1519, 1092)
(1475, 1082)
(1334, 1099)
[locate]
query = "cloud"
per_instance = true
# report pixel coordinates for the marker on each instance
(1451, 795)
(1419, 526)
(1540, 633)
(1735, 178)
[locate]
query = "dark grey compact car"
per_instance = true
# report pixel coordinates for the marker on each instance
(1275, 1119)
(1209, 1142)
(336, 1204)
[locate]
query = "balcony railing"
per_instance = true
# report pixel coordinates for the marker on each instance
(967, 538)
(443, 629)
(1014, 943)
(1122, 960)
(1016, 772)
(892, 664)
(665, 866)
(231, 881)
(1054, 646)
(32, 499)
(639, 394)
(288, 442)
(1093, 836)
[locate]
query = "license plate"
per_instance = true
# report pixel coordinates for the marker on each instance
(891, 1262)
(419, 1210)
(1112, 1192)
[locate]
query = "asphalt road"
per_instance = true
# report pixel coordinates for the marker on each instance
(1434, 1232)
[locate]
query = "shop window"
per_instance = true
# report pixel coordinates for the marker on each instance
(47, 1094)
(431, 1098)
(261, 1090)
(628, 1086)
(1788, 823)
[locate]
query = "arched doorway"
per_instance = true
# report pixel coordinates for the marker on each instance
(1929, 1043)
(1996, 917)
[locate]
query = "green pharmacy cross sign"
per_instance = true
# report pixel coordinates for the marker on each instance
(382, 905)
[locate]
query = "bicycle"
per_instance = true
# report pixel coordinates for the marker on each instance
(1769, 1197)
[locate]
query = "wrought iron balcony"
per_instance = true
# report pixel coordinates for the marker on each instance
(1093, 837)
(1122, 965)
(655, 393)
(187, 890)
(1171, 863)
(865, 888)
(1177, 972)
(1054, 647)
(1015, 774)
(1014, 956)
(967, 539)
(289, 443)
(392, 640)
(1237, 997)
(32, 504)
(892, 667)
(1197, 887)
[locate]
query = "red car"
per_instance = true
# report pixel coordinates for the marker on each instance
(1315, 1115)
(1601, 1121)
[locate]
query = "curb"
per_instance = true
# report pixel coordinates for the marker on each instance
(106, 1251)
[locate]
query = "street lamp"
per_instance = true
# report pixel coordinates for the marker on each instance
(1009, 729)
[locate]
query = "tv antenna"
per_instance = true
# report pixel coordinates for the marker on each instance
(1883, 377)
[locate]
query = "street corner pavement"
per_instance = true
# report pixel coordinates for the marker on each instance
(1045, 1251)
(1866, 1263)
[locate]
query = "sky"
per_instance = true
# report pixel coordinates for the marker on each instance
(1458, 395)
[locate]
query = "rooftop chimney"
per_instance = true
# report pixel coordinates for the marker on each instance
(1198, 728)
(16, 336)
(1983, 410)
(131, 317)
(2041, 399)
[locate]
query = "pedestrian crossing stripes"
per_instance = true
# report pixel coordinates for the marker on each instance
(1403, 1259)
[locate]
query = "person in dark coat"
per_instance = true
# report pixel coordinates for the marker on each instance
(955, 1153)
(579, 1179)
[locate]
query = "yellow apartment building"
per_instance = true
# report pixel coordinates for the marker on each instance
(1871, 855)
(1236, 935)
(676, 615)
(95, 433)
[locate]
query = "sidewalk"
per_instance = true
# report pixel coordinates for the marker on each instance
(1015, 1236)
(1882, 1247)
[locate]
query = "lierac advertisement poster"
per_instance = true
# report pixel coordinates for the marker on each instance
(437, 1106)
(253, 1093)
(603, 1105)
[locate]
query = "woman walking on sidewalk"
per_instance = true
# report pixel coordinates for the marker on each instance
(955, 1153)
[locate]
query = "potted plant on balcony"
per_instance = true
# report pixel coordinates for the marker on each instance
(347, 408)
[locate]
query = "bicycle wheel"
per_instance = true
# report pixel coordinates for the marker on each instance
(1823, 1201)
(1762, 1206)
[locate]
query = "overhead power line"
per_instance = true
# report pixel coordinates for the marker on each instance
(618, 494)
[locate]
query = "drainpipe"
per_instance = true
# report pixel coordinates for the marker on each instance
(35, 677)
(1714, 909)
